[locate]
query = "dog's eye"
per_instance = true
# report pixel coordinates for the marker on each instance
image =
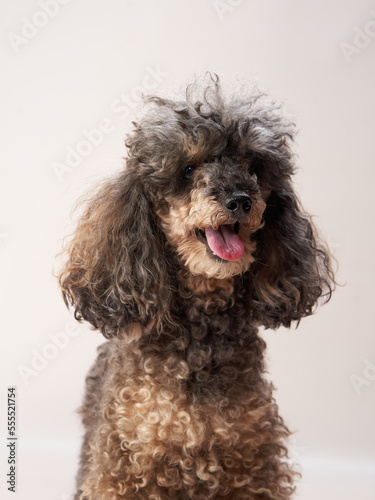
(189, 172)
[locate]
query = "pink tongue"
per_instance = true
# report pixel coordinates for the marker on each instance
(225, 243)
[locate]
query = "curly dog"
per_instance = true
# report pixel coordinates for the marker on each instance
(178, 261)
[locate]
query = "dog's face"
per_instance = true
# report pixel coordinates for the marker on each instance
(210, 218)
(209, 174)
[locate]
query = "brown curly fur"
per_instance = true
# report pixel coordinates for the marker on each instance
(177, 405)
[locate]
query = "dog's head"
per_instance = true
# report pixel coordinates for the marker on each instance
(215, 208)
(207, 189)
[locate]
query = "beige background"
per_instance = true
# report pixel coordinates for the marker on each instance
(72, 72)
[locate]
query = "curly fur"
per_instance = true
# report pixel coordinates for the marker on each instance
(177, 405)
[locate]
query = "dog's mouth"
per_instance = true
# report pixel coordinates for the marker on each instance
(223, 243)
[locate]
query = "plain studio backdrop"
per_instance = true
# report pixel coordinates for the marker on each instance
(73, 72)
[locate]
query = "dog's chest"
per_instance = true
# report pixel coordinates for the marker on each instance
(201, 382)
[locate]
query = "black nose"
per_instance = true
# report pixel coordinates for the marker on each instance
(239, 205)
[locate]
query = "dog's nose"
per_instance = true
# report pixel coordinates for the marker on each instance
(239, 205)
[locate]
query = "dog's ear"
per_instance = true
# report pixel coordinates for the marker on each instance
(116, 273)
(292, 268)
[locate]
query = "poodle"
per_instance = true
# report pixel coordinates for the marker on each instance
(178, 260)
